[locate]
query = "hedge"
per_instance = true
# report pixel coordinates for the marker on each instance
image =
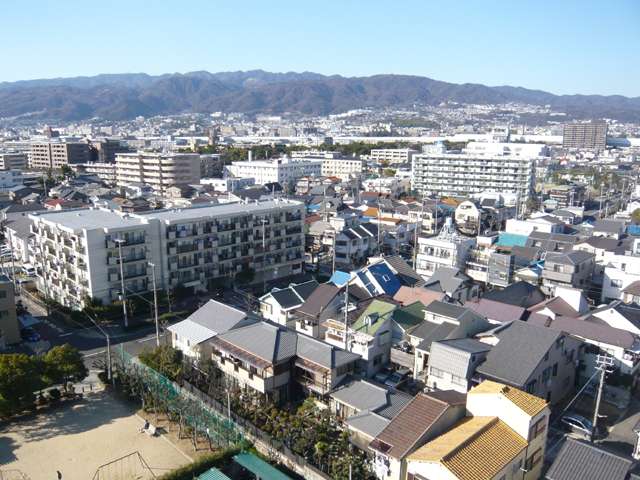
(201, 465)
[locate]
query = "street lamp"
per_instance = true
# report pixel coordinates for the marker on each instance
(106, 335)
(155, 301)
(119, 242)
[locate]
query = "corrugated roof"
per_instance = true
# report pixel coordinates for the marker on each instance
(369, 423)
(264, 340)
(578, 460)
(259, 467)
(530, 404)
(213, 474)
(478, 448)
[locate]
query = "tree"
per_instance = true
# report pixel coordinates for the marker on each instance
(19, 379)
(165, 360)
(64, 364)
(67, 172)
(388, 172)
(246, 275)
(635, 216)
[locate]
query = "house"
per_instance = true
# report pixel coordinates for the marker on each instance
(604, 250)
(424, 418)
(520, 294)
(454, 283)
(369, 336)
(408, 295)
(599, 338)
(620, 315)
(377, 279)
(631, 293)
(502, 436)
(496, 312)
(448, 249)
(609, 228)
(279, 304)
(191, 336)
(551, 242)
(366, 408)
(407, 275)
(272, 360)
(323, 303)
(442, 321)
(572, 269)
(452, 363)
(579, 460)
(535, 359)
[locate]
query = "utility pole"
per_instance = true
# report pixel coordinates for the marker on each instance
(155, 302)
(605, 364)
(333, 251)
(346, 315)
(264, 257)
(109, 370)
(119, 242)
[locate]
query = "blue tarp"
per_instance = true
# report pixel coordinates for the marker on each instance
(340, 278)
(512, 240)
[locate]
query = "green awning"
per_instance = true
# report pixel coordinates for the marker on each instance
(259, 467)
(213, 474)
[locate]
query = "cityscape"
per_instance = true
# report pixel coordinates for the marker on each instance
(237, 273)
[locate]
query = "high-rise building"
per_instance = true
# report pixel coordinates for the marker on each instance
(13, 160)
(503, 170)
(55, 154)
(77, 252)
(590, 136)
(159, 170)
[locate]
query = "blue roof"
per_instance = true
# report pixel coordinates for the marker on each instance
(633, 230)
(385, 277)
(512, 240)
(213, 474)
(259, 467)
(340, 278)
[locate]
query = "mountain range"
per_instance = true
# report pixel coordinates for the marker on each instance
(125, 96)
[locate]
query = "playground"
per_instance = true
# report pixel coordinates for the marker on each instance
(78, 439)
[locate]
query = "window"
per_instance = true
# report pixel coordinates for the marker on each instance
(537, 428)
(436, 372)
(616, 283)
(531, 386)
(555, 369)
(3, 294)
(534, 459)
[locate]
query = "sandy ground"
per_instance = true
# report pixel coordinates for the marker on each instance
(77, 439)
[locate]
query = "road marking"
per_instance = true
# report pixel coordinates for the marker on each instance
(94, 354)
(142, 340)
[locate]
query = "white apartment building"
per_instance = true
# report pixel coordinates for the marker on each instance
(77, 254)
(281, 170)
(343, 168)
(104, 171)
(393, 186)
(13, 160)
(228, 184)
(393, 155)
(473, 171)
(447, 249)
(159, 170)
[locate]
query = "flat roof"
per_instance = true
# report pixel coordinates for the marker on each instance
(95, 218)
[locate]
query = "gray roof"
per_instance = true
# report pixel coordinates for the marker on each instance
(264, 340)
(521, 294)
(574, 257)
(293, 295)
(609, 226)
(407, 274)
(603, 243)
(21, 226)
(579, 460)
(369, 423)
(363, 395)
(494, 310)
(454, 356)
(322, 353)
(449, 278)
(520, 349)
(218, 317)
(445, 309)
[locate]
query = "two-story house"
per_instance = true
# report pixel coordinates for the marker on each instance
(570, 269)
(452, 363)
(279, 304)
(502, 437)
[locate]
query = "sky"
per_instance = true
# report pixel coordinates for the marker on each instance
(561, 46)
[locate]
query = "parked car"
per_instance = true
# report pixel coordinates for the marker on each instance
(577, 424)
(397, 378)
(382, 375)
(28, 334)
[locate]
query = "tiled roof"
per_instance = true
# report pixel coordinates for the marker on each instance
(373, 317)
(478, 448)
(633, 288)
(319, 299)
(407, 295)
(409, 316)
(413, 421)
(530, 404)
(497, 311)
(582, 461)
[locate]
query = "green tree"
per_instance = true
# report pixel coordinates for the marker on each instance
(19, 379)
(67, 172)
(164, 359)
(64, 364)
(388, 172)
(635, 216)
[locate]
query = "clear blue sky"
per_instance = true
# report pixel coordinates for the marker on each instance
(563, 46)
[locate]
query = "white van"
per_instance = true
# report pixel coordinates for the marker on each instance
(29, 270)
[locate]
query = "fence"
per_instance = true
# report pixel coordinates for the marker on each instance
(169, 397)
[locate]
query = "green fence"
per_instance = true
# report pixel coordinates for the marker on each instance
(187, 407)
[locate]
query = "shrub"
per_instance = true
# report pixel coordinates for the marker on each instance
(54, 394)
(201, 465)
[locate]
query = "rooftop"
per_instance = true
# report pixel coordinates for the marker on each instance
(530, 404)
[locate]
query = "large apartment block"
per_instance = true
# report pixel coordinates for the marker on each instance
(77, 252)
(592, 135)
(393, 155)
(55, 154)
(159, 170)
(462, 174)
(13, 160)
(281, 170)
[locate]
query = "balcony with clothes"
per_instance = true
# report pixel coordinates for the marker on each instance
(314, 377)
